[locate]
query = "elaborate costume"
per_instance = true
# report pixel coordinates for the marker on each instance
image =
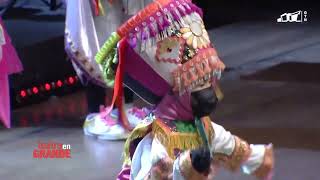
(164, 54)
(9, 64)
(88, 23)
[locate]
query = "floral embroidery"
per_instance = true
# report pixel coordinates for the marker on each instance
(170, 50)
(195, 35)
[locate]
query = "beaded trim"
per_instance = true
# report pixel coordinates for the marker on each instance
(197, 70)
(156, 17)
(165, 19)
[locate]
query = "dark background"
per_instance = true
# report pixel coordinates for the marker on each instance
(45, 60)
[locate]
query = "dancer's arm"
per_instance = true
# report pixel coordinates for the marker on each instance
(233, 152)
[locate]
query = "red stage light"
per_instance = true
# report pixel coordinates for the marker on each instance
(23, 93)
(70, 80)
(47, 86)
(35, 90)
(59, 83)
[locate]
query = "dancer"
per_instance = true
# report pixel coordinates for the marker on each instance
(164, 54)
(88, 23)
(9, 64)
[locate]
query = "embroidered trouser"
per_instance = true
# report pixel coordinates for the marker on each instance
(151, 160)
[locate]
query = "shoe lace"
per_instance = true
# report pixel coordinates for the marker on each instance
(139, 113)
(105, 116)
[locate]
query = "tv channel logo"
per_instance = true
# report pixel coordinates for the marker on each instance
(298, 16)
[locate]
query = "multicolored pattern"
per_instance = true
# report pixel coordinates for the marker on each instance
(175, 141)
(85, 33)
(170, 50)
(195, 34)
(139, 113)
(156, 18)
(198, 70)
(171, 38)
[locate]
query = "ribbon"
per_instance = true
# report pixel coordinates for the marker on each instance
(201, 130)
(117, 98)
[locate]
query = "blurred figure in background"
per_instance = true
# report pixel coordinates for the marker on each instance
(9, 64)
(88, 24)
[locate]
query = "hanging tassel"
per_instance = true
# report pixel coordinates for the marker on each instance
(144, 35)
(186, 80)
(165, 19)
(213, 61)
(182, 10)
(193, 75)
(133, 42)
(188, 8)
(175, 15)
(207, 68)
(218, 92)
(160, 24)
(199, 70)
(152, 30)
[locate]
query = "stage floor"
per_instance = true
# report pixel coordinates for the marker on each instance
(259, 111)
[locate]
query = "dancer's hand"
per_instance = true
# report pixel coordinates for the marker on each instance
(201, 160)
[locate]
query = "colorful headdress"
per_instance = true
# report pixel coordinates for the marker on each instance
(169, 40)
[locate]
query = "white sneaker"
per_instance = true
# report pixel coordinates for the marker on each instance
(94, 124)
(106, 127)
(101, 126)
(88, 123)
(115, 132)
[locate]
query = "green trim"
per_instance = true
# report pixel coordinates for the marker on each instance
(107, 47)
(107, 57)
(185, 127)
(107, 70)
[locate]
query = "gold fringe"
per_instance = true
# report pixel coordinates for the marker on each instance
(169, 139)
(177, 140)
